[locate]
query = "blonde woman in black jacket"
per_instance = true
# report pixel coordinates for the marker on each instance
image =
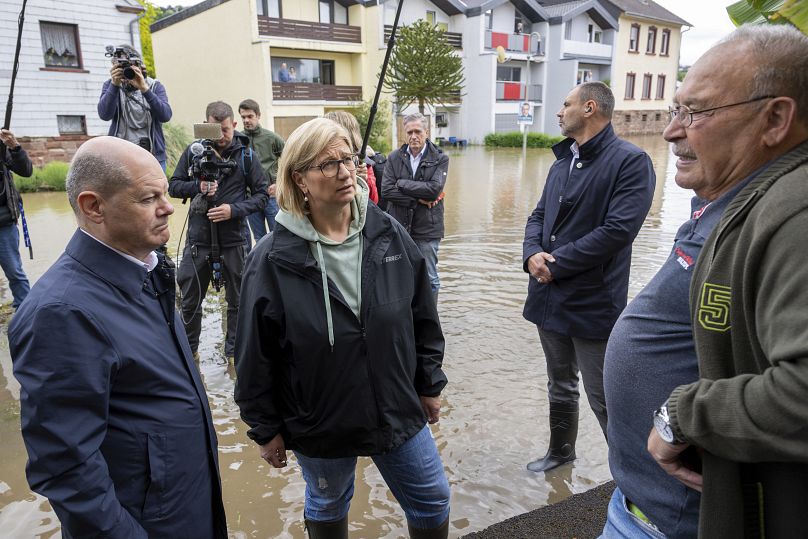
(340, 348)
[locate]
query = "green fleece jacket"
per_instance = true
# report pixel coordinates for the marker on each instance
(749, 410)
(268, 146)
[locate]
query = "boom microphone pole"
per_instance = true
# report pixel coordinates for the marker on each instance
(10, 104)
(7, 122)
(390, 43)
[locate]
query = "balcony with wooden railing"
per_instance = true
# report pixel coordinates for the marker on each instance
(455, 39)
(317, 31)
(310, 91)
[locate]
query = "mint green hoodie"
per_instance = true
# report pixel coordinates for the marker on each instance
(341, 261)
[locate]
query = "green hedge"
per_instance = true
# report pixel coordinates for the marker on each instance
(51, 177)
(513, 139)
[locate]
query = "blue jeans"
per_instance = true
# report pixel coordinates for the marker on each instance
(260, 221)
(429, 249)
(623, 524)
(413, 472)
(11, 262)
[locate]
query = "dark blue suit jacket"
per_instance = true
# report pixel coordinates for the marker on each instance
(587, 219)
(114, 414)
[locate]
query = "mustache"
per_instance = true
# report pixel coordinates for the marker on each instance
(682, 149)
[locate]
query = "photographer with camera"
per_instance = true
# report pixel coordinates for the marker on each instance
(136, 103)
(217, 173)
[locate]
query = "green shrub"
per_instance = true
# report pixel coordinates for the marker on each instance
(51, 177)
(379, 138)
(177, 139)
(513, 139)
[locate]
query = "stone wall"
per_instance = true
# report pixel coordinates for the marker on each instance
(640, 122)
(43, 150)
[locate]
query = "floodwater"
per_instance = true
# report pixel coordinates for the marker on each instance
(494, 415)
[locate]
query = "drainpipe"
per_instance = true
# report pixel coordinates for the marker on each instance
(132, 24)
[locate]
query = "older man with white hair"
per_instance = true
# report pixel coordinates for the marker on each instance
(412, 191)
(741, 119)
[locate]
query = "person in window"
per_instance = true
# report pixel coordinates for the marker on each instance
(339, 347)
(292, 74)
(138, 107)
(283, 73)
(520, 27)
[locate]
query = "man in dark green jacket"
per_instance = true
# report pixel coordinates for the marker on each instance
(741, 119)
(268, 147)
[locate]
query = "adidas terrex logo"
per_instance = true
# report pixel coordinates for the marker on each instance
(391, 258)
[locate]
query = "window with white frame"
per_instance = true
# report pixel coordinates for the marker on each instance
(665, 44)
(660, 88)
(650, 47)
(631, 79)
(646, 86)
(634, 38)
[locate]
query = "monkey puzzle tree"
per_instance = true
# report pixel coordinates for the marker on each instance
(424, 67)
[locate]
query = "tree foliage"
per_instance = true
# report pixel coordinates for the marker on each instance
(424, 67)
(380, 132)
(793, 12)
(150, 16)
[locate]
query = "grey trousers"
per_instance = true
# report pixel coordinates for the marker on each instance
(194, 277)
(565, 355)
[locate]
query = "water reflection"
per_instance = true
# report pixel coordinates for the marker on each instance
(494, 415)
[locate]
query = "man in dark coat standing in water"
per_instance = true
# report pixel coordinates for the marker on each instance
(114, 415)
(577, 249)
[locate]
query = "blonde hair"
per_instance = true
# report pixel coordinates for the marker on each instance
(299, 153)
(348, 121)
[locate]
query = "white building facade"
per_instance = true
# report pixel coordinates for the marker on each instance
(62, 69)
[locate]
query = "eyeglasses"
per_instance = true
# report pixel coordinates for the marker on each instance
(685, 115)
(330, 168)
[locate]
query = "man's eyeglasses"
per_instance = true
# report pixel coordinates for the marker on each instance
(685, 115)
(330, 168)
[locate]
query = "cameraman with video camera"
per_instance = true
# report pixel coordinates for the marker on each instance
(136, 103)
(217, 174)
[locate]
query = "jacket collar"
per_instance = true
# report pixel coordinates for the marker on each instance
(295, 250)
(431, 152)
(106, 264)
(590, 149)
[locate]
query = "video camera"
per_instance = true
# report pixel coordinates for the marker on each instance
(125, 60)
(204, 166)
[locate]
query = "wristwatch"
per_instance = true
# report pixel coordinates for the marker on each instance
(662, 424)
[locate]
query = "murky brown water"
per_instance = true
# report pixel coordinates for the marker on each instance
(494, 414)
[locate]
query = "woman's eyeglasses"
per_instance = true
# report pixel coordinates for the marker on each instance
(330, 168)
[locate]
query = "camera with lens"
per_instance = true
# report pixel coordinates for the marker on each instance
(124, 60)
(204, 164)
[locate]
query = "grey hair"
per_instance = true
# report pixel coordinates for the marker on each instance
(780, 54)
(599, 93)
(94, 172)
(415, 117)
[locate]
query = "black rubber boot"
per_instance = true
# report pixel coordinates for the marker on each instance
(563, 433)
(441, 532)
(334, 529)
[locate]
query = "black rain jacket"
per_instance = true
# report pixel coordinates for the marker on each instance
(248, 177)
(401, 189)
(360, 397)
